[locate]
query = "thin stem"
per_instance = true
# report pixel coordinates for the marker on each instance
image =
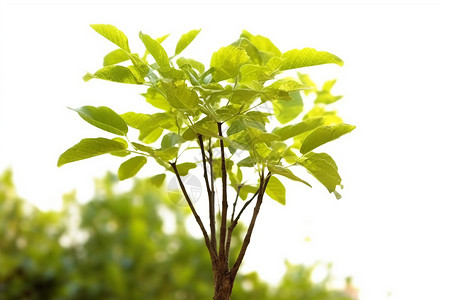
(223, 224)
(247, 203)
(196, 216)
(212, 220)
(213, 179)
(232, 225)
(246, 242)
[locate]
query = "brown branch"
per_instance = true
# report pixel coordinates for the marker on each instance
(246, 242)
(196, 216)
(223, 224)
(212, 218)
(233, 224)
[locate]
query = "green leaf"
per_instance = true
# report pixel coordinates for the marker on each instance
(179, 95)
(286, 85)
(130, 167)
(227, 62)
(87, 148)
(185, 40)
(245, 190)
(286, 111)
(152, 128)
(135, 120)
(114, 73)
(183, 169)
(251, 50)
(158, 180)
(257, 136)
(251, 73)
(236, 127)
(113, 34)
(155, 98)
(324, 96)
(324, 134)
(156, 50)
(262, 43)
(246, 162)
(170, 140)
(276, 190)
(104, 118)
(167, 154)
(290, 131)
(115, 57)
(307, 57)
(323, 168)
(280, 170)
(188, 61)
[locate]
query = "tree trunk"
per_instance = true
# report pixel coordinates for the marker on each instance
(223, 285)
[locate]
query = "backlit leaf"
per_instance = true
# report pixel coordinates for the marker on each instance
(188, 61)
(179, 95)
(185, 40)
(114, 73)
(262, 43)
(135, 120)
(258, 136)
(227, 62)
(130, 167)
(276, 190)
(156, 50)
(324, 134)
(287, 110)
(307, 57)
(113, 34)
(280, 170)
(323, 168)
(183, 168)
(104, 118)
(290, 131)
(158, 180)
(87, 148)
(115, 57)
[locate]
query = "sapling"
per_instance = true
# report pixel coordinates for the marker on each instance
(216, 114)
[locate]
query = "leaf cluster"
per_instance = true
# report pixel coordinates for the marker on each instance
(194, 101)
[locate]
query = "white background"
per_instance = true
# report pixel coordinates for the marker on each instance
(390, 231)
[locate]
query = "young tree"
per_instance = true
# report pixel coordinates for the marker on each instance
(217, 110)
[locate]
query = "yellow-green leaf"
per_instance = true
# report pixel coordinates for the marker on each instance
(280, 170)
(324, 134)
(307, 57)
(114, 73)
(276, 190)
(156, 50)
(179, 95)
(227, 61)
(130, 167)
(115, 57)
(323, 168)
(287, 110)
(185, 40)
(87, 148)
(104, 118)
(113, 34)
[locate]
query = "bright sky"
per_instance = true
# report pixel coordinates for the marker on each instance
(390, 231)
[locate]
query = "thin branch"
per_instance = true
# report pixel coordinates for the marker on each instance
(247, 203)
(246, 242)
(212, 180)
(212, 218)
(223, 224)
(233, 224)
(196, 216)
(235, 201)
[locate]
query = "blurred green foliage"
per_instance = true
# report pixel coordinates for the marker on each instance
(120, 246)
